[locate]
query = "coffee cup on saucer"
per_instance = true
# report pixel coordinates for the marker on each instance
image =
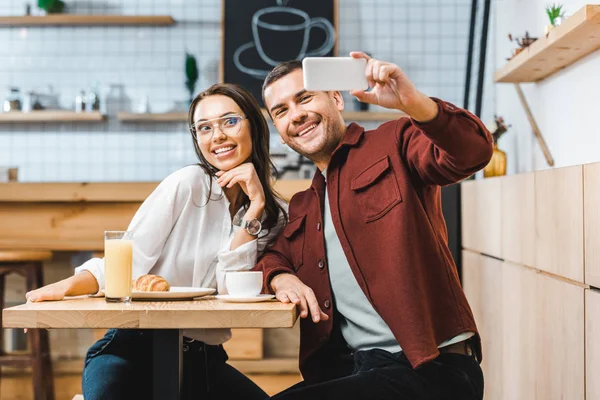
(244, 283)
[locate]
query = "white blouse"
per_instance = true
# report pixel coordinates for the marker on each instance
(180, 236)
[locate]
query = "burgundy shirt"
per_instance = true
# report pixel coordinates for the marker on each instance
(384, 195)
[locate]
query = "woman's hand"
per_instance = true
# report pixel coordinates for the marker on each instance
(54, 291)
(245, 175)
(82, 283)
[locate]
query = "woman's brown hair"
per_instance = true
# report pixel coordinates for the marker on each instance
(259, 131)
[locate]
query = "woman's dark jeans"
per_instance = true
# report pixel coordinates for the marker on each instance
(119, 366)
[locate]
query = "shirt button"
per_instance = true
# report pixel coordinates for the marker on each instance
(321, 264)
(327, 303)
(318, 226)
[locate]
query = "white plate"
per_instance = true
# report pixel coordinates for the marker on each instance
(176, 292)
(253, 299)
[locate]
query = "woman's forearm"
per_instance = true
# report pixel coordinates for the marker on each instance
(81, 283)
(242, 236)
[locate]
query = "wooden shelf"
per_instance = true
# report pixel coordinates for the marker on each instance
(87, 20)
(182, 116)
(51, 116)
(575, 38)
(161, 117)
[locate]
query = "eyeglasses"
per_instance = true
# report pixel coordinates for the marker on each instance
(229, 125)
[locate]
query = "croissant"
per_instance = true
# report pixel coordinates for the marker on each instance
(151, 283)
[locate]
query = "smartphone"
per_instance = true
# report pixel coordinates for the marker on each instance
(334, 73)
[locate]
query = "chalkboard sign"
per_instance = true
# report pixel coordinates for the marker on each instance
(259, 34)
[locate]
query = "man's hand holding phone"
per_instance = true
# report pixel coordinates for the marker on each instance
(391, 88)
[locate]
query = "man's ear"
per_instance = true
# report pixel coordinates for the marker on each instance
(338, 100)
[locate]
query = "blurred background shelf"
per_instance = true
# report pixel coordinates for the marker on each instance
(182, 116)
(51, 116)
(87, 20)
(576, 37)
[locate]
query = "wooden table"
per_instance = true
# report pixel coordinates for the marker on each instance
(169, 318)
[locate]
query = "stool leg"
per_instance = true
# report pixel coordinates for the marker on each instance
(43, 380)
(1, 329)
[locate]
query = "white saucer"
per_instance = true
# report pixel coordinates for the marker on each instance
(252, 299)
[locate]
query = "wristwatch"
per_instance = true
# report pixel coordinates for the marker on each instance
(253, 227)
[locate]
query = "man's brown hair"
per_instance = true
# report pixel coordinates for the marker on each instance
(279, 72)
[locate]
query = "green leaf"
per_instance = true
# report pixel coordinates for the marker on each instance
(191, 73)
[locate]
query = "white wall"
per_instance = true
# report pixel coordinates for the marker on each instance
(566, 105)
(428, 38)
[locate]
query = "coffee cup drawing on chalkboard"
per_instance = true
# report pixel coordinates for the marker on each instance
(275, 25)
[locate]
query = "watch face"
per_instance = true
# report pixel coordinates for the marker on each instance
(254, 227)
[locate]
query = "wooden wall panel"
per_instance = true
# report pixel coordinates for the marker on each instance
(518, 219)
(518, 334)
(591, 211)
(245, 344)
(482, 277)
(481, 216)
(559, 339)
(559, 222)
(592, 344)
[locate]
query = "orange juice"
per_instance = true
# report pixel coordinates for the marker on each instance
(118, 259)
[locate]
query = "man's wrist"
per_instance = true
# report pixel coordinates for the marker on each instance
(424, 109)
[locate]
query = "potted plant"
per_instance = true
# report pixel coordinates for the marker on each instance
(523, 43)
(555, 13)
(497, 165)
(191, 74)
(52, 6)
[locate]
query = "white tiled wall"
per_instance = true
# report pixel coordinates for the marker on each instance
(427, 38)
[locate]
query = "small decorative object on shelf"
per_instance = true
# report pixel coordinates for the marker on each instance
(52, 6)
(191, 74)
(497, 165)
(556, 14)
(523, 43)
(12, 101)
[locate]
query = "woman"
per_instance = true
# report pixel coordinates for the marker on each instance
(184, 231)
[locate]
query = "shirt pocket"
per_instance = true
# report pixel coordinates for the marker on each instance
(294, 233)
(376, 190)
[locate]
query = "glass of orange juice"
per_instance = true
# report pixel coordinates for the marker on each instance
(118, 260)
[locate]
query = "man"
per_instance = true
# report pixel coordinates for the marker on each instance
(365, 253)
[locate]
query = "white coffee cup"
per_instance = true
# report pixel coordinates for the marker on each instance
(244, 283)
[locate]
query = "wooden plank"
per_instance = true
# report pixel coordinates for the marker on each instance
(83, 312)
(52, 116)
(106, 191)
(267, 366)
(61, 226)
(559, 222)
(591, 211)
(592, 344)
(482, 216)
(182, 116)
(559, 340)
(86, 20)
(518, 218)
(482, 282)
(245, 344)
(518, 320)
(576, 37)
(152, 117)
(74, 216)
